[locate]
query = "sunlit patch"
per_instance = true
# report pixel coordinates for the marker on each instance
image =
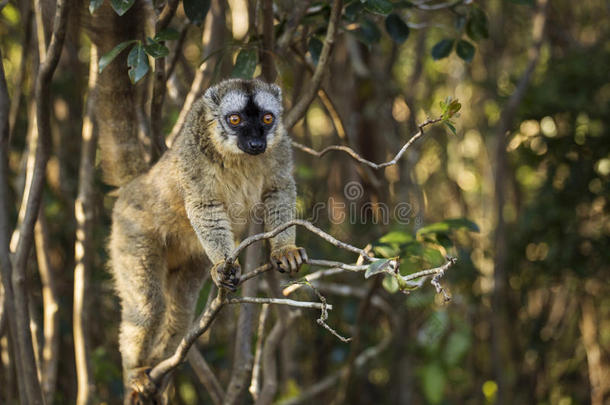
(548, 127)
(400, 110)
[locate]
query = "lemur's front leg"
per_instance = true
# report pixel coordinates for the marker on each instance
(211, 223)
(280, 207)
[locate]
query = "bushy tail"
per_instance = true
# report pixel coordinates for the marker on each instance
(122, 155)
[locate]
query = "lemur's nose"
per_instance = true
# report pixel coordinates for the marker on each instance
(257, 145)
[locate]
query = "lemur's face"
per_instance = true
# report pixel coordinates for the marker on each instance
(248, 114)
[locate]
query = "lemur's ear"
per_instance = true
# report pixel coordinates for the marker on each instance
(211, 96)
(276, 90)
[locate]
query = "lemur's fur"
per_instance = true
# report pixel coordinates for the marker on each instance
(176, 220)
(182, 216)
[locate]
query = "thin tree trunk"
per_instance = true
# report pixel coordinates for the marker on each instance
(50, 344)
(83, 249)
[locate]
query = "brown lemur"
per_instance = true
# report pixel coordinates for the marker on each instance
(184, 213)
(175, 220)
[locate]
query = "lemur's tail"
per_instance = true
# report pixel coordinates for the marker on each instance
(122, 155)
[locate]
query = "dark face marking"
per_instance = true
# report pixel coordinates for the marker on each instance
(251, 130)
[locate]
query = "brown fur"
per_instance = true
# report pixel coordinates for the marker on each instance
(174, 221)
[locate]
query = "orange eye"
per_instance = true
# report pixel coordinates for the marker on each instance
(268, 118)
(234, 119)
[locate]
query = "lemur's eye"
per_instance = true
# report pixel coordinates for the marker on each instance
(234, 119)
(268, 118)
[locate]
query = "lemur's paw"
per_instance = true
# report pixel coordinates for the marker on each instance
(137, 384)
(226, 277)
(288, 258)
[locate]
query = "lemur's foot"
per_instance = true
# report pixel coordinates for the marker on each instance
(288, 258)
(226, 277)
(136, 387)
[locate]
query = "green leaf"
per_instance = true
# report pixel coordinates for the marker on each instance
(315, 48)
(476, 26)
(390, 283)
(523, 2)
(385, 250)
(196, 10)
(451, 127)
(448, 225)
(155, 49)
(433, 257)
(382, 7)
(168, 34)
(121, 6)
(353, 10)
(378, 266)
(465, 50)
(456, 348)
(396, 237)
(396, 28)
(403, 4)
(138, 63)
(442, 49)
(94, 5)
(368, 32)
(245, 64)
(433, 382)
(109, 57)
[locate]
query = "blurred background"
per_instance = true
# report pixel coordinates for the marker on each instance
(519, 194)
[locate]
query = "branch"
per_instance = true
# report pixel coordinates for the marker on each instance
(299, 109)
(359, 158)
(279, 301)
(269, 359)
(31, 201)
(307, 225)
(6, 266)
(256, 369)
(214, 36)
(242, 358)
(205, 375)
(158, 145)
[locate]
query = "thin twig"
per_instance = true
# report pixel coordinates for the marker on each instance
(279, 301)
(362, 160)
(242, 358)
(206, 375)
(307, 225)
(299, 109)
(256, 369)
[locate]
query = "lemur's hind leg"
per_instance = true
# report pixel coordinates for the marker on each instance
(139, 270)
(181, 288)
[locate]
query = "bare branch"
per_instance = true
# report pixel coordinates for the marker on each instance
(307, 225)
(256, 369)
(206, 375)
(279, 301)
(330, 381)
(214, 37)
(6, 266)
(359, 158)
(299, 109)
(269, 359)
(242, 358)
(158, 145)
(31, 201)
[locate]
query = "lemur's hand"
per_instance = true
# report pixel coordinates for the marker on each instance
(288, 258)
(227, 278)
(138, 380)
